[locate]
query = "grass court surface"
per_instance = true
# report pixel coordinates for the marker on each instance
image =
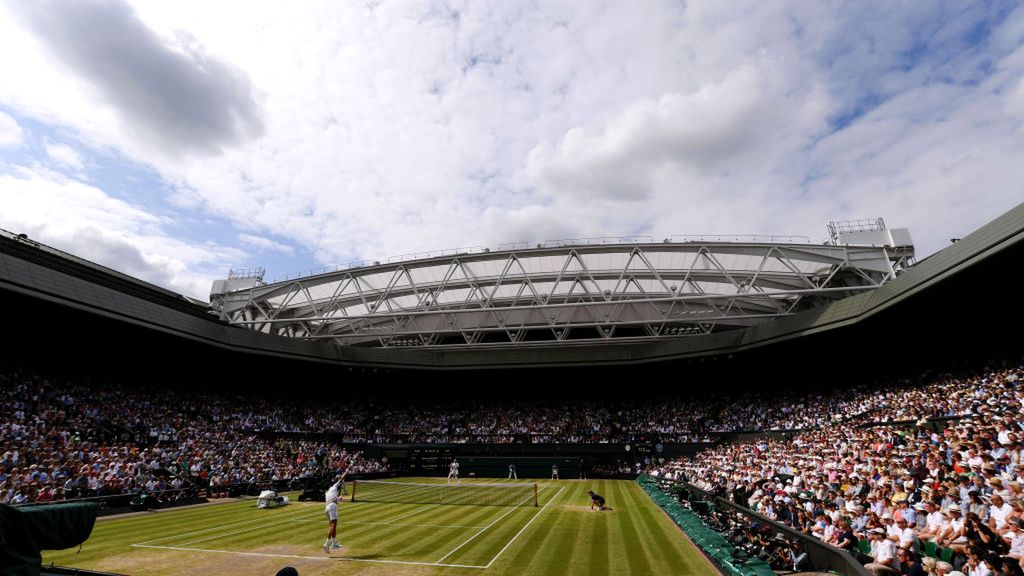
(561, 536)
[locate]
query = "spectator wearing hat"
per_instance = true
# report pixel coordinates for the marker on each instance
(920, 516)
(997, 486)
(859, 521)
(905, 510)
(889, 523)
(883, 554)
(953, 534)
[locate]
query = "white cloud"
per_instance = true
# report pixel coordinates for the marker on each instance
(10, 132)
(706, 131)
(396, 127)
(65, 155)
(85, 221)
(266, 244)
(173, 94)
(1015, 100)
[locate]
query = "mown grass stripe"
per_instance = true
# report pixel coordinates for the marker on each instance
(566, 539)
(524, 528)
(637, 548)
(599, 539)
(482, 530)
(554, 536)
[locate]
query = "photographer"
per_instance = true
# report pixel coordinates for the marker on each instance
(793, 555)
(980, 534)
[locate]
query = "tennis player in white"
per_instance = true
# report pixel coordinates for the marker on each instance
(453, 472)
(333, 494)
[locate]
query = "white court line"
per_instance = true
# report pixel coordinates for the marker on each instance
(327, 558)
(514, 508)
(553, 498)
(291, 515)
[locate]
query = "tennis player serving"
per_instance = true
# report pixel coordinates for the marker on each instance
(331, 511)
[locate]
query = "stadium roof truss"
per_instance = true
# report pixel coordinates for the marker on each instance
(562, 294)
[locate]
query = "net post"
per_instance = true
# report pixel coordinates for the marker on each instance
(355, 484)
(535, 504)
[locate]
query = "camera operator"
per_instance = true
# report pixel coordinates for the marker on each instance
(797, 557)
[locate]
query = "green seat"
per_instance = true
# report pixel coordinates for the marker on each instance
(931, 549)
(864, 546)
(947, 555)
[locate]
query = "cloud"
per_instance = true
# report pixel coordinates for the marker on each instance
(174, 94)
(265, 244)
(1015, 100)
(85, 221)
(700, 131)
(10, 132)
(65, 155)
(395, 127)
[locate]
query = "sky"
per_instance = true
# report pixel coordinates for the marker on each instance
(174, 141)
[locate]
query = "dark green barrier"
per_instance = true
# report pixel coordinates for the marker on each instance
(823, 557)
(713, 544)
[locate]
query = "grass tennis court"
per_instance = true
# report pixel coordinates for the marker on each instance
(560, 536)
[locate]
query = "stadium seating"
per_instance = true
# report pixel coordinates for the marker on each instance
(913, 452)
(853, 454)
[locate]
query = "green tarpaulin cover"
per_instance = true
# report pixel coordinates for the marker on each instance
(26, 531)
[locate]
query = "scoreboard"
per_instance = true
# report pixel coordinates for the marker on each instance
(430, 460)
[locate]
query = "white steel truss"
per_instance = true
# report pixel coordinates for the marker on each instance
(562, 294)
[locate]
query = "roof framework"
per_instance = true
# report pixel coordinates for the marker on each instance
(562, 294)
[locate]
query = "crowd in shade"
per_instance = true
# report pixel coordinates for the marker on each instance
(61, 440)
(950, 479)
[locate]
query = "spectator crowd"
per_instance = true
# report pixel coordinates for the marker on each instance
(924, 476)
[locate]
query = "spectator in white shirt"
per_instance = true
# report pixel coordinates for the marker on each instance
(883, 554)
(997, 512)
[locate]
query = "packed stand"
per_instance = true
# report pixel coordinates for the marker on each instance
(943, 492)
(60, 440)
